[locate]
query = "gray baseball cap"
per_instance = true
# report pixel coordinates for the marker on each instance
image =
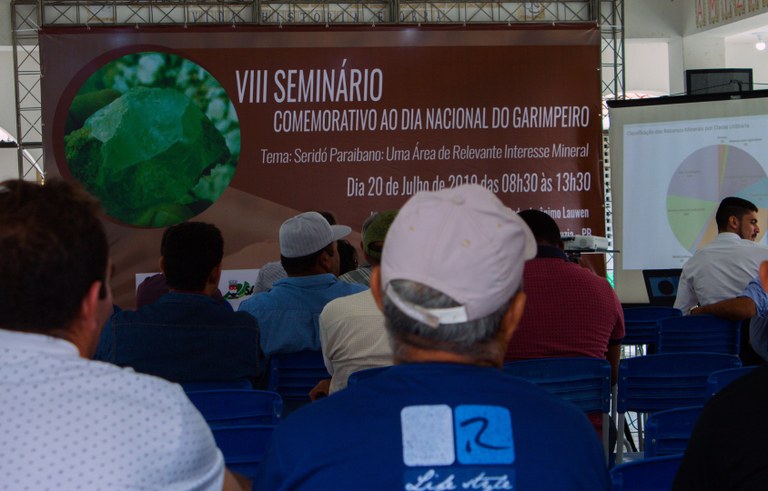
(463, 242)
(307, 233)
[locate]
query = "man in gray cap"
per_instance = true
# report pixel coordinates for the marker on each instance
(445, 416)
(288, 313)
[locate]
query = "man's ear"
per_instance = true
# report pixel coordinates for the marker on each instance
(161, 264)
(215, 275)
(376, 286)
(512, 316)
(88, 322)
(733, 222)
(325, 261)
(764, 274)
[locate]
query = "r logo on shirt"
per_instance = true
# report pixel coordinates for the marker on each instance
(435, 435)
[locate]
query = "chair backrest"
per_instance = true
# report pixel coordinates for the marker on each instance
(234, 384)
(243, 447)
(651, 474)
(293, 375)
(640, 323)
(238, 407)
(356, 377)
(584, 382)
(718, 380)
(698, 333)
(667, 432)
(666, 381)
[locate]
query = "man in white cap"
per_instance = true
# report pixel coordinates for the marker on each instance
(445, 416)
(288, 313)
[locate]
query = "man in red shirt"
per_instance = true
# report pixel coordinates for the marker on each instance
(570, 310)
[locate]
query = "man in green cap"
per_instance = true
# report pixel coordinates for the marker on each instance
(374, 230)
(352, 332)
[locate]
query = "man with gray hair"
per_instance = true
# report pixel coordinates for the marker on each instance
(445, 416)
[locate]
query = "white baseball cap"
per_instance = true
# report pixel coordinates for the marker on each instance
(307, 233)
(462, 242)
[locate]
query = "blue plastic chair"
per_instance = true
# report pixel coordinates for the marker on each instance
(640, 323)
(720, 379)
(584, 382)
(665, 381)
(234, 384)
(293, 375)
(355, 377)
(243, 447)
(651, 474)
(667, 432)
(222, 408)
(698, 333)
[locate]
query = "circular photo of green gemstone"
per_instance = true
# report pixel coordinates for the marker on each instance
(154, 136)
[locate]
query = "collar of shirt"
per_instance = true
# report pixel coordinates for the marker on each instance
(311, 281)
(17, 340)
(550, 252)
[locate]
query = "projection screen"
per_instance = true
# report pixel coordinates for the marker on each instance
(672, 160)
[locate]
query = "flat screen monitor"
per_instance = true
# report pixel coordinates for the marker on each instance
(661, 285)
(717, 80)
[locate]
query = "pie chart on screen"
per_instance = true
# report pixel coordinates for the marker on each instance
(702, 180)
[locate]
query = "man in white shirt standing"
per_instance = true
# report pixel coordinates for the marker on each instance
(67, 422)
(721, 269)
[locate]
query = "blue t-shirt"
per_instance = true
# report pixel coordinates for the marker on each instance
(288, 313)
(436, 426)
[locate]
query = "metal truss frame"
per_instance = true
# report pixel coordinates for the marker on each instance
(27, 16)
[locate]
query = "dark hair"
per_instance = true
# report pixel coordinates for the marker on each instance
(190, 251)
(543, 226)
(53, 249)
(732, 207)
(297, 266)
(347, 256)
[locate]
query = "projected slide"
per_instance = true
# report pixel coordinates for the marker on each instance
(676, 173)
(701, 181)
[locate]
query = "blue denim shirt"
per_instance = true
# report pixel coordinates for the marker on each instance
(184, 337)
(288, 313)
(758, 327)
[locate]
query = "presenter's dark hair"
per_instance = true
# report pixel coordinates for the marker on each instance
(732, 207)
(190, 251)
(543, 226)
(52, 249)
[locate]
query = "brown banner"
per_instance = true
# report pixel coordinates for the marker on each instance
(243, 127)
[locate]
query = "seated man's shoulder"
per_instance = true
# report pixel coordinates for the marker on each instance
(340, 305)
(342, 288)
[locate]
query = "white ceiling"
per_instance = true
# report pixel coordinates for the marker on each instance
(741, 32)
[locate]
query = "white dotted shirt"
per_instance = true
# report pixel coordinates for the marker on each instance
(69, 423)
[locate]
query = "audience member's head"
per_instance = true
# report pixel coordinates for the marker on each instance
(268, 274)
(744, 214)
(191, 254)
(544, 228)
(308, 245)
(451, 275)
(374, 232)
(54, 256)
(150, 290)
